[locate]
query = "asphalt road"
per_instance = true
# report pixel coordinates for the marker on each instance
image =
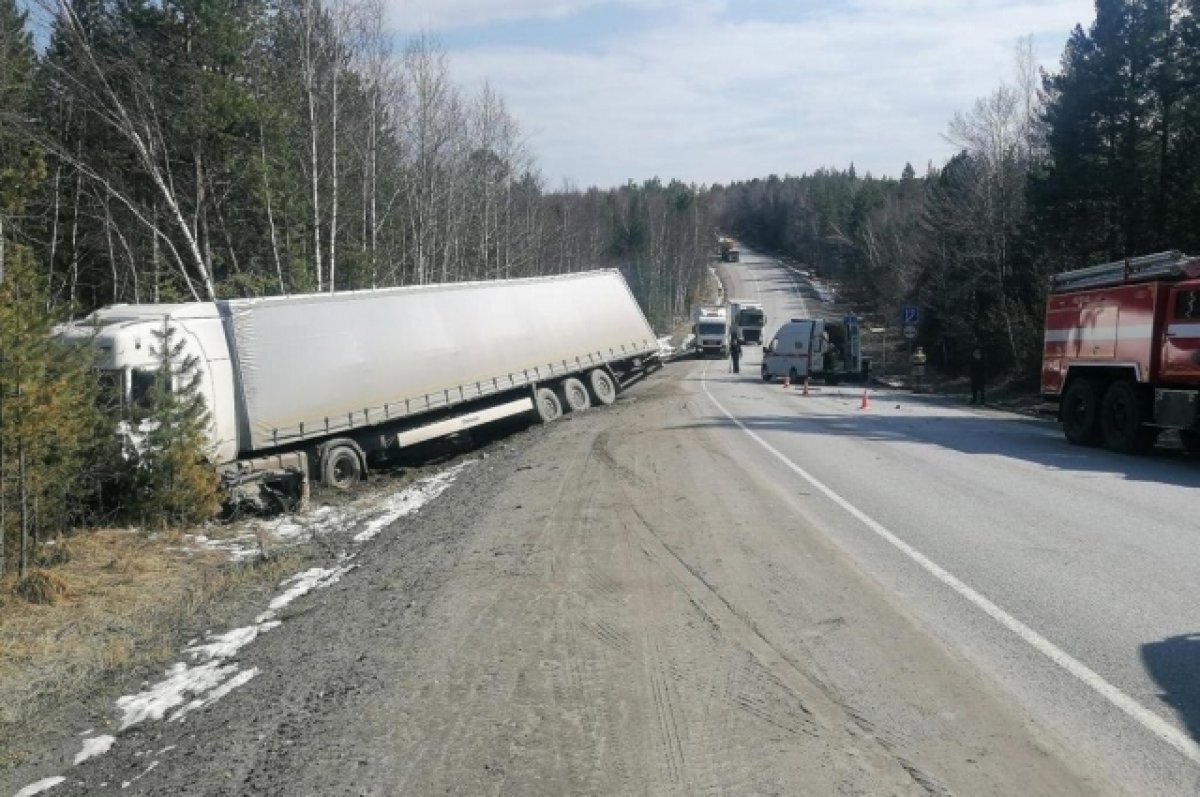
(719, 586)
(1093, 554)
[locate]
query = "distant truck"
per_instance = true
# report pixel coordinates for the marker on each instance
(710, 326)
(1121, 351)
(329, 383)
(746, 321)
(728, 249)
(804, 348)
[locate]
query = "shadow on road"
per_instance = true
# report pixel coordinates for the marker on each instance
(1174, 663)
(1017, 438)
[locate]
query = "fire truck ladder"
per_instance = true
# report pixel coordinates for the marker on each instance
(1164, 265)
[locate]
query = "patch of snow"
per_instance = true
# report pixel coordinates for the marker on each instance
(225, 646)
(181, 683)
(241, 679)
(409, 501)
(301, 584)
(45, 784)
(97, 745)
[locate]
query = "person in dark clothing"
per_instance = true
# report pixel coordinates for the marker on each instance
(978, 377)
(735, 352)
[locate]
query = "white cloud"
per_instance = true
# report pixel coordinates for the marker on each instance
(439, 15)
(707, 98)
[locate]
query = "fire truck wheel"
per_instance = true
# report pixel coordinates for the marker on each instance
(1121, 419)
(1081, 413)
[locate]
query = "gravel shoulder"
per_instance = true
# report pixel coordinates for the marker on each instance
(612, 604)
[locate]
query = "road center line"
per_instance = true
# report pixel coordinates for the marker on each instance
(1135, 710)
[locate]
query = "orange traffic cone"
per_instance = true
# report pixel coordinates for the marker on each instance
(866, 401)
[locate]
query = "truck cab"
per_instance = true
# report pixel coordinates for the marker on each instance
(126, 341)
(746, 320)
(711, 330)
(806, 347)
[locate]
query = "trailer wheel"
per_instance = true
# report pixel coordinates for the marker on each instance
(1121, 420)
(794, 376)
(573, 395)
(341, 467)
(1081, 413)
(549, 408)
(604, 387)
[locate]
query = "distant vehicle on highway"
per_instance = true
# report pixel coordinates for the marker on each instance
(807, 347)
(1121, 351)
(710, 326)
(746, 321)
(728, 249)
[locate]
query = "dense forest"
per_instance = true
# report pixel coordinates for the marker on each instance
(180, 150)
(1097, 161)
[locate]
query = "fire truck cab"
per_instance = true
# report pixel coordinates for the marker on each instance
(1121, 353)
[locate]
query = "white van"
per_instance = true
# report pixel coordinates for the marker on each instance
(805, 347)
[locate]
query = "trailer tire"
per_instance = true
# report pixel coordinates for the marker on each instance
(573, 395)
(341, 466)
(603, 386)
(794, 376)
(1081, 413)
(1122, 417)
(547, 405)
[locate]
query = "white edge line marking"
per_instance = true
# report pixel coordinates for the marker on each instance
(1135, 710)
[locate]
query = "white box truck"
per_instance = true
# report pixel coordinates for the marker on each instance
(710, 328)
(813, 347)
(327, 383)
(746, 321)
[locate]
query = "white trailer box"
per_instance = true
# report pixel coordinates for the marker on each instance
(313, 365)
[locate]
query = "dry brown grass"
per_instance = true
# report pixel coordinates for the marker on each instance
(118, 600)
(41, 587)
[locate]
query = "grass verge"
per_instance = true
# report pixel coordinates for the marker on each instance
(121, 600)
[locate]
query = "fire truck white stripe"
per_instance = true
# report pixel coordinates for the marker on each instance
(1184, 330)
(1100, 334)
(1152, 722)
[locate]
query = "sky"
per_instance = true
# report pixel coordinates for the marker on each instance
(718, 90)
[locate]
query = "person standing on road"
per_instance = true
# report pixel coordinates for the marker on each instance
(978, 377)
(735, 353)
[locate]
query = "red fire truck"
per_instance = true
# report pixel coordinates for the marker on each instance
(1121, 356)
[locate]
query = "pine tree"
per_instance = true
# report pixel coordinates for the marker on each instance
(48, 422)
(1109, 118)
(175, 486)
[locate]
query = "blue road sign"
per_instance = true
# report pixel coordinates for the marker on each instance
(912, 314)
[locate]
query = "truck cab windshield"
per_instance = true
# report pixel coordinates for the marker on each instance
(750, 318)
(141, 386)
(712, 329)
